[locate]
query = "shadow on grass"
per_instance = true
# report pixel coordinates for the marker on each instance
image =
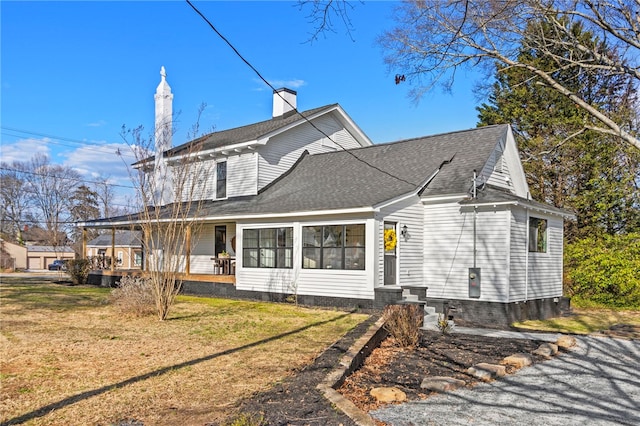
(95, 392)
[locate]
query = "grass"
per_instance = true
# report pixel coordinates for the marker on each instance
(68, 357)
(584, 321)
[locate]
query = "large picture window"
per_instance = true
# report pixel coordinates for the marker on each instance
(333, 247)
(267, 248)
(537, 235)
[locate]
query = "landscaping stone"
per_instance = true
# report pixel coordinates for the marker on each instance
(486, 372)
(518, 360)
(566, 342)
(388, 394)
(546, 350)
(441, 384)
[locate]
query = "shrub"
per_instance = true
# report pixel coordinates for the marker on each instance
(403, 324)
(604, 270)
(78, 270)
(134, 295)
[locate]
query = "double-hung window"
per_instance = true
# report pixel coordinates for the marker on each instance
(267, 248)
(537, 235)
(333, 247)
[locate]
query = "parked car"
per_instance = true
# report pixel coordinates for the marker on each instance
(58, 265)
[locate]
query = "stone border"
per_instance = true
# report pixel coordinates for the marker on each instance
(351, 361)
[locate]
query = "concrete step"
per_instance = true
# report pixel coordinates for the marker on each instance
(428, 310)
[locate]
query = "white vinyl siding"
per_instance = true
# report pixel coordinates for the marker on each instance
(316, 282)
(242, 175)
(448, 247)
(497, 170)
(202, 250)
(519, 253)
(409, 250)
(545, 269)
(282, 151)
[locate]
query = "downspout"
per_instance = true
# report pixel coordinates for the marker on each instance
(475, 217)
(526, 257)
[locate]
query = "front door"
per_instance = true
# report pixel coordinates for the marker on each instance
(221, 239)
(390, 258)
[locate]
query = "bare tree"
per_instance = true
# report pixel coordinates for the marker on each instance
(50, 187)
(434, 40)
(15, 199)
(170, 189)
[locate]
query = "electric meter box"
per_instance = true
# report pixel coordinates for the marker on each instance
(474, 282)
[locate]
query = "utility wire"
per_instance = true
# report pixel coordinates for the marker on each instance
(288, 103)
(84, 144)
(9, 169)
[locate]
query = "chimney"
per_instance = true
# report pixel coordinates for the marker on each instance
(164, 113)
(284, 100)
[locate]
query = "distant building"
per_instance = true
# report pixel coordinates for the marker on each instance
(125, 248)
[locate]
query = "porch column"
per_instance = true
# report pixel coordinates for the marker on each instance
(84, 243)
(188, 250)
(113, 249)
(143, 264)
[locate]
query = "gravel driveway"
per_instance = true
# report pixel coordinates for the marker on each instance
(597, 383)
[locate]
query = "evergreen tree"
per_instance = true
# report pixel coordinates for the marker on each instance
(593, 174)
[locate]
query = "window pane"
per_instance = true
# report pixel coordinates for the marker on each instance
(310, 258)
(354, 258)
(221, 180)
(250, 238)
(285, 258)
(311, 236)
(267, 258)
(537, 235)
(250, 258)
(355, 236)
(332, 236)
(267, 238)
(332, 258)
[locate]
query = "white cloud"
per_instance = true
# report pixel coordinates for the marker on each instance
(24, 149)
(98, 123)
(289, 84)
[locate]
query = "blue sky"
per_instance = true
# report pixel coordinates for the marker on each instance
(73, 73)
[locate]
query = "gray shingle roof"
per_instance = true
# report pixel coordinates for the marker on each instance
(366, 177)
(122, 238)
(246, 133)
(369, 176)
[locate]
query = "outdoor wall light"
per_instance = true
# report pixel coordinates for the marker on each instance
(405, 231)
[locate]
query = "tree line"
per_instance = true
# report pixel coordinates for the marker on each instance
(47, 200)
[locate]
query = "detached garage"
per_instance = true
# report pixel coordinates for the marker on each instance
(39, 257)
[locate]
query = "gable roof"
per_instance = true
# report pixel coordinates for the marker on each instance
(367, 177)
(370, 176)
(249, 132)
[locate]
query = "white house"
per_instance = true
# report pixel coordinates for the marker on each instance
(307, 205)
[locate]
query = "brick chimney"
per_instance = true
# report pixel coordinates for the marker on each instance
(284, 100)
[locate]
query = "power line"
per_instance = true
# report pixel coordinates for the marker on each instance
(288, 103)
(84, 144)
(9, 169)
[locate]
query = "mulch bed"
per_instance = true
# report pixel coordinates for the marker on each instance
(296, 401)
(437, 355)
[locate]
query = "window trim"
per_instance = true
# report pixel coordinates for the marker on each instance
(277, 248)
(342, 248)
(537, 244)
(220, 181)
